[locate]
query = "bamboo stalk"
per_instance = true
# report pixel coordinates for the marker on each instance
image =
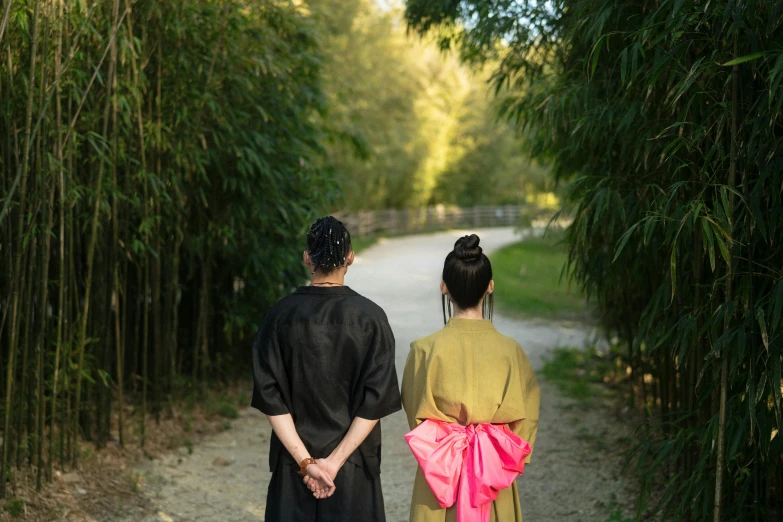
(18, 264)
(174, 289)
(94, 228)
(25, 395)
(119, 354)
(71, 304)
(61, 236)
(156, 265)
(4, 21)
(42, 337)
(41, 341)
(116, 238)
(724, 371)
(145, 337)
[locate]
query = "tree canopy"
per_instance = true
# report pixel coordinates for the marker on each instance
(411, 125)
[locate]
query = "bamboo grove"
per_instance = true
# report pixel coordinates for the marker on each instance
(156, 161)
(665, 118)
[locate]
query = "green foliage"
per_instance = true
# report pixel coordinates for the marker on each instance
(159, 165)
(489, 165)
(376, 148)
(616, 511)
(15, 507)
(665, 118)
(409, 125)
(362, 243)
(574, 371)
(528, 280)
(223, 407)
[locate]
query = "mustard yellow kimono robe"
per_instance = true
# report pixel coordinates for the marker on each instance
(469, 373)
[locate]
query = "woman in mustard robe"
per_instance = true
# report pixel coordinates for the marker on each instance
(469, 373)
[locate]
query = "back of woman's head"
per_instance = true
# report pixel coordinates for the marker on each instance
(467, 272)
(328, 244)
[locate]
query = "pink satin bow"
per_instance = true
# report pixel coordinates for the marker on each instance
(468, 465)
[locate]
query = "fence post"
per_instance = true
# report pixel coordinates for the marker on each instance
(411, 220)
(394, 224)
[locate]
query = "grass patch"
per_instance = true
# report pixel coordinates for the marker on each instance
(616, 512)
(362, 243)
(243, 400)
(223, 406)
(527, 280)
(575, 372)
(15, 507)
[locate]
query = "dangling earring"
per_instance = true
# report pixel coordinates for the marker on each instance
(446, 302)
(488, 306)
(443, 303)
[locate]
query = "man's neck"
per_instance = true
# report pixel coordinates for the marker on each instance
(335, 277)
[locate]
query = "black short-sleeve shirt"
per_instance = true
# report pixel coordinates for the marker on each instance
(326, 355)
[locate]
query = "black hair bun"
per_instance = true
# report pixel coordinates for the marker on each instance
(467, 248)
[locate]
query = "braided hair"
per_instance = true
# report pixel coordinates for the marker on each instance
(467, 273)
(328, 244)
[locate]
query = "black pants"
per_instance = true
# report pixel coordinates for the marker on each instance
(358, 497)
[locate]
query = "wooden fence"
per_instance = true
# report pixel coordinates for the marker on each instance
(412, 221)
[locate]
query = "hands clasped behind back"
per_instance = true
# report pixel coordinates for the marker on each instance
(320, 478)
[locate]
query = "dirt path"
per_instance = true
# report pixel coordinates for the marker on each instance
(572, 477)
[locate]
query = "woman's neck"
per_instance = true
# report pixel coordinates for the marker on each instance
(469, 313)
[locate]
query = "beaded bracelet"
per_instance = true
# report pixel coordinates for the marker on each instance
(303, 466)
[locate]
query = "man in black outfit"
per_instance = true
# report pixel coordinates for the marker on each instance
(323, 368)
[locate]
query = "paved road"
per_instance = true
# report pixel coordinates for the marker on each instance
(569, 479)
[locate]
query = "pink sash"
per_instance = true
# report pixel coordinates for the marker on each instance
(468, 465)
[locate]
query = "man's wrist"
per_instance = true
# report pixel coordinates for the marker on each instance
(336, 459)
(301, 455)
(306, 463)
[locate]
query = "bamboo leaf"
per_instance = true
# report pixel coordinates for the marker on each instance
(750, 398)
(725, 201)
(596, 54)
(763, 327)
(623, 65)
(709, 245)
(778, 306)
(623, 240)
(724, 252)
(760, 394)
(743, 59)
(673, 270)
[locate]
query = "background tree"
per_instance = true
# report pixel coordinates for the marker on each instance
(411, 126)
(158, 162)
(488, 165)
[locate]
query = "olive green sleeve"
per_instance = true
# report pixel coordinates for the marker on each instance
(529, 397)
(412, 391)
